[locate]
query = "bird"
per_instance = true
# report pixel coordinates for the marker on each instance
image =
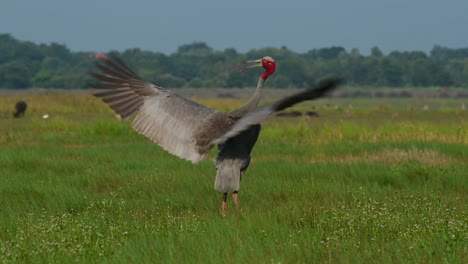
(190, 130)
(233, 157)
(20, 107)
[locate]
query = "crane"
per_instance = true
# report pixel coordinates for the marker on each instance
(233, 157)
(189, 130)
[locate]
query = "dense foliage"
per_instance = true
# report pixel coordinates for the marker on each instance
(25, 64)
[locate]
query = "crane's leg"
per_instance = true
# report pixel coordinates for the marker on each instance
(224, 205)
(235, 197)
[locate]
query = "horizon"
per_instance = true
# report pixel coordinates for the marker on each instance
(221, 50)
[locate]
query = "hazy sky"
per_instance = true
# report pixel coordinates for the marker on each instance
(103, 25)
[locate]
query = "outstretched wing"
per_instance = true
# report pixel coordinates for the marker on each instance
(164, 117)
(260, 114)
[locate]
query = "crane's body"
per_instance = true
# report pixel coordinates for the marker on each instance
(233, 159)
(189, 130)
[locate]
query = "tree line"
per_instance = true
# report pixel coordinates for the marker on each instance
(24, 64)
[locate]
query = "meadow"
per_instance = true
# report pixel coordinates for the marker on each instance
(368, 180)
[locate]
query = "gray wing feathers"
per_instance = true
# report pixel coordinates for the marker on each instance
(171, 121)
(253, 117)
(164, 117)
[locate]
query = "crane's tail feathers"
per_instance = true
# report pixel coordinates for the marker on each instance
(260, 114)
(227, 176)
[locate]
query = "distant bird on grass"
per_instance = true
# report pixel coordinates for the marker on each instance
(189, 130)
(20, 108)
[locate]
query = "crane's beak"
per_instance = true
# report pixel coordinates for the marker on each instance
(253, 64)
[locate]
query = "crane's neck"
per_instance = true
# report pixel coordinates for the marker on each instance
(253, 102)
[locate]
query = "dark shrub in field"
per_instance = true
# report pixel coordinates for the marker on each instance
(20, 109)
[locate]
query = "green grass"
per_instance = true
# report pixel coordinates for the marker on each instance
(378, 182)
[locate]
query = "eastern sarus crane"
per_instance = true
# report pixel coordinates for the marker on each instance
(189, 130)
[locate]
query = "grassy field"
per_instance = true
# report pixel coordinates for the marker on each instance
(367, 181)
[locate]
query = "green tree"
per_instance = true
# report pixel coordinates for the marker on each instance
(25, 64)
(15, 74)
(375, 52)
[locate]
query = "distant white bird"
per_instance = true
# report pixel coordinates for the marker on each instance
(45, 116)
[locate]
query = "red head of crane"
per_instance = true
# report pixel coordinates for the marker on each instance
(266, 62)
